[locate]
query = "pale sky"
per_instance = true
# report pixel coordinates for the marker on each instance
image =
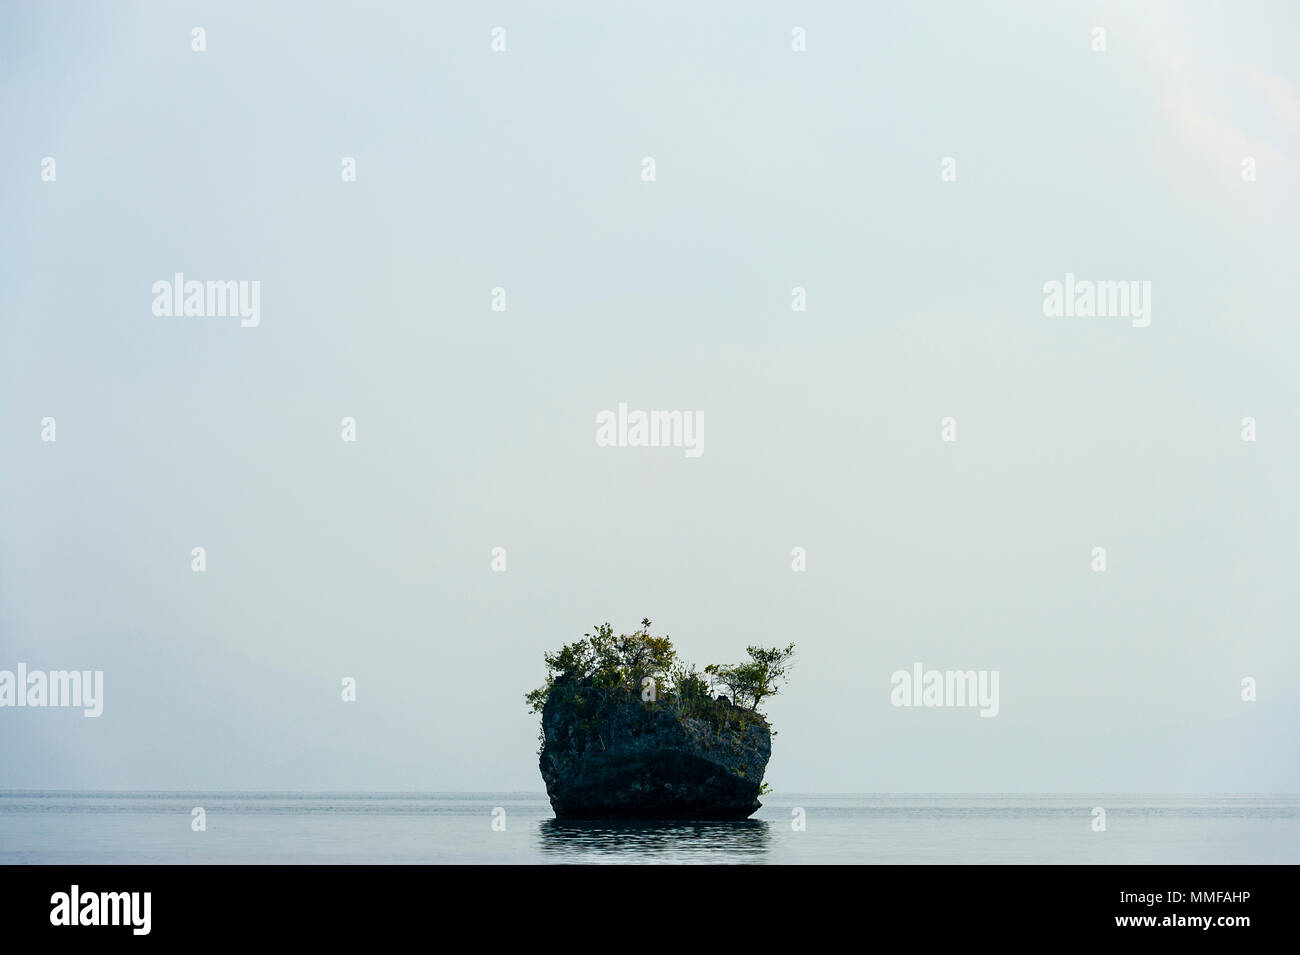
(475, 428)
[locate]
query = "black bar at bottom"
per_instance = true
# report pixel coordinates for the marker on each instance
(309, 903)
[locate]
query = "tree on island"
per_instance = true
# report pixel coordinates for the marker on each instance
(752, 682)
(640, 666)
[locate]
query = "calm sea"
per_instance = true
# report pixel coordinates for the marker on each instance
(148, 828)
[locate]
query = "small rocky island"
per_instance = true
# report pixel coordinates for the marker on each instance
(629, 732)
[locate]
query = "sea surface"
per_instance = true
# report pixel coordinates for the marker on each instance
(406, 828)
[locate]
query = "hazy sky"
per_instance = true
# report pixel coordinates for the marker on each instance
(475, 428)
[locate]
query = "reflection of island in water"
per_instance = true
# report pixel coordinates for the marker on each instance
(634, 837)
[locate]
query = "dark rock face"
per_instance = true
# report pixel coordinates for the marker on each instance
(620, 758)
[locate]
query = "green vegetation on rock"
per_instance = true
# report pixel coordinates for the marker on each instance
(641, 667)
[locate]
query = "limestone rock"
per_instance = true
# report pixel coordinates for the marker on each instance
(609, 755)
